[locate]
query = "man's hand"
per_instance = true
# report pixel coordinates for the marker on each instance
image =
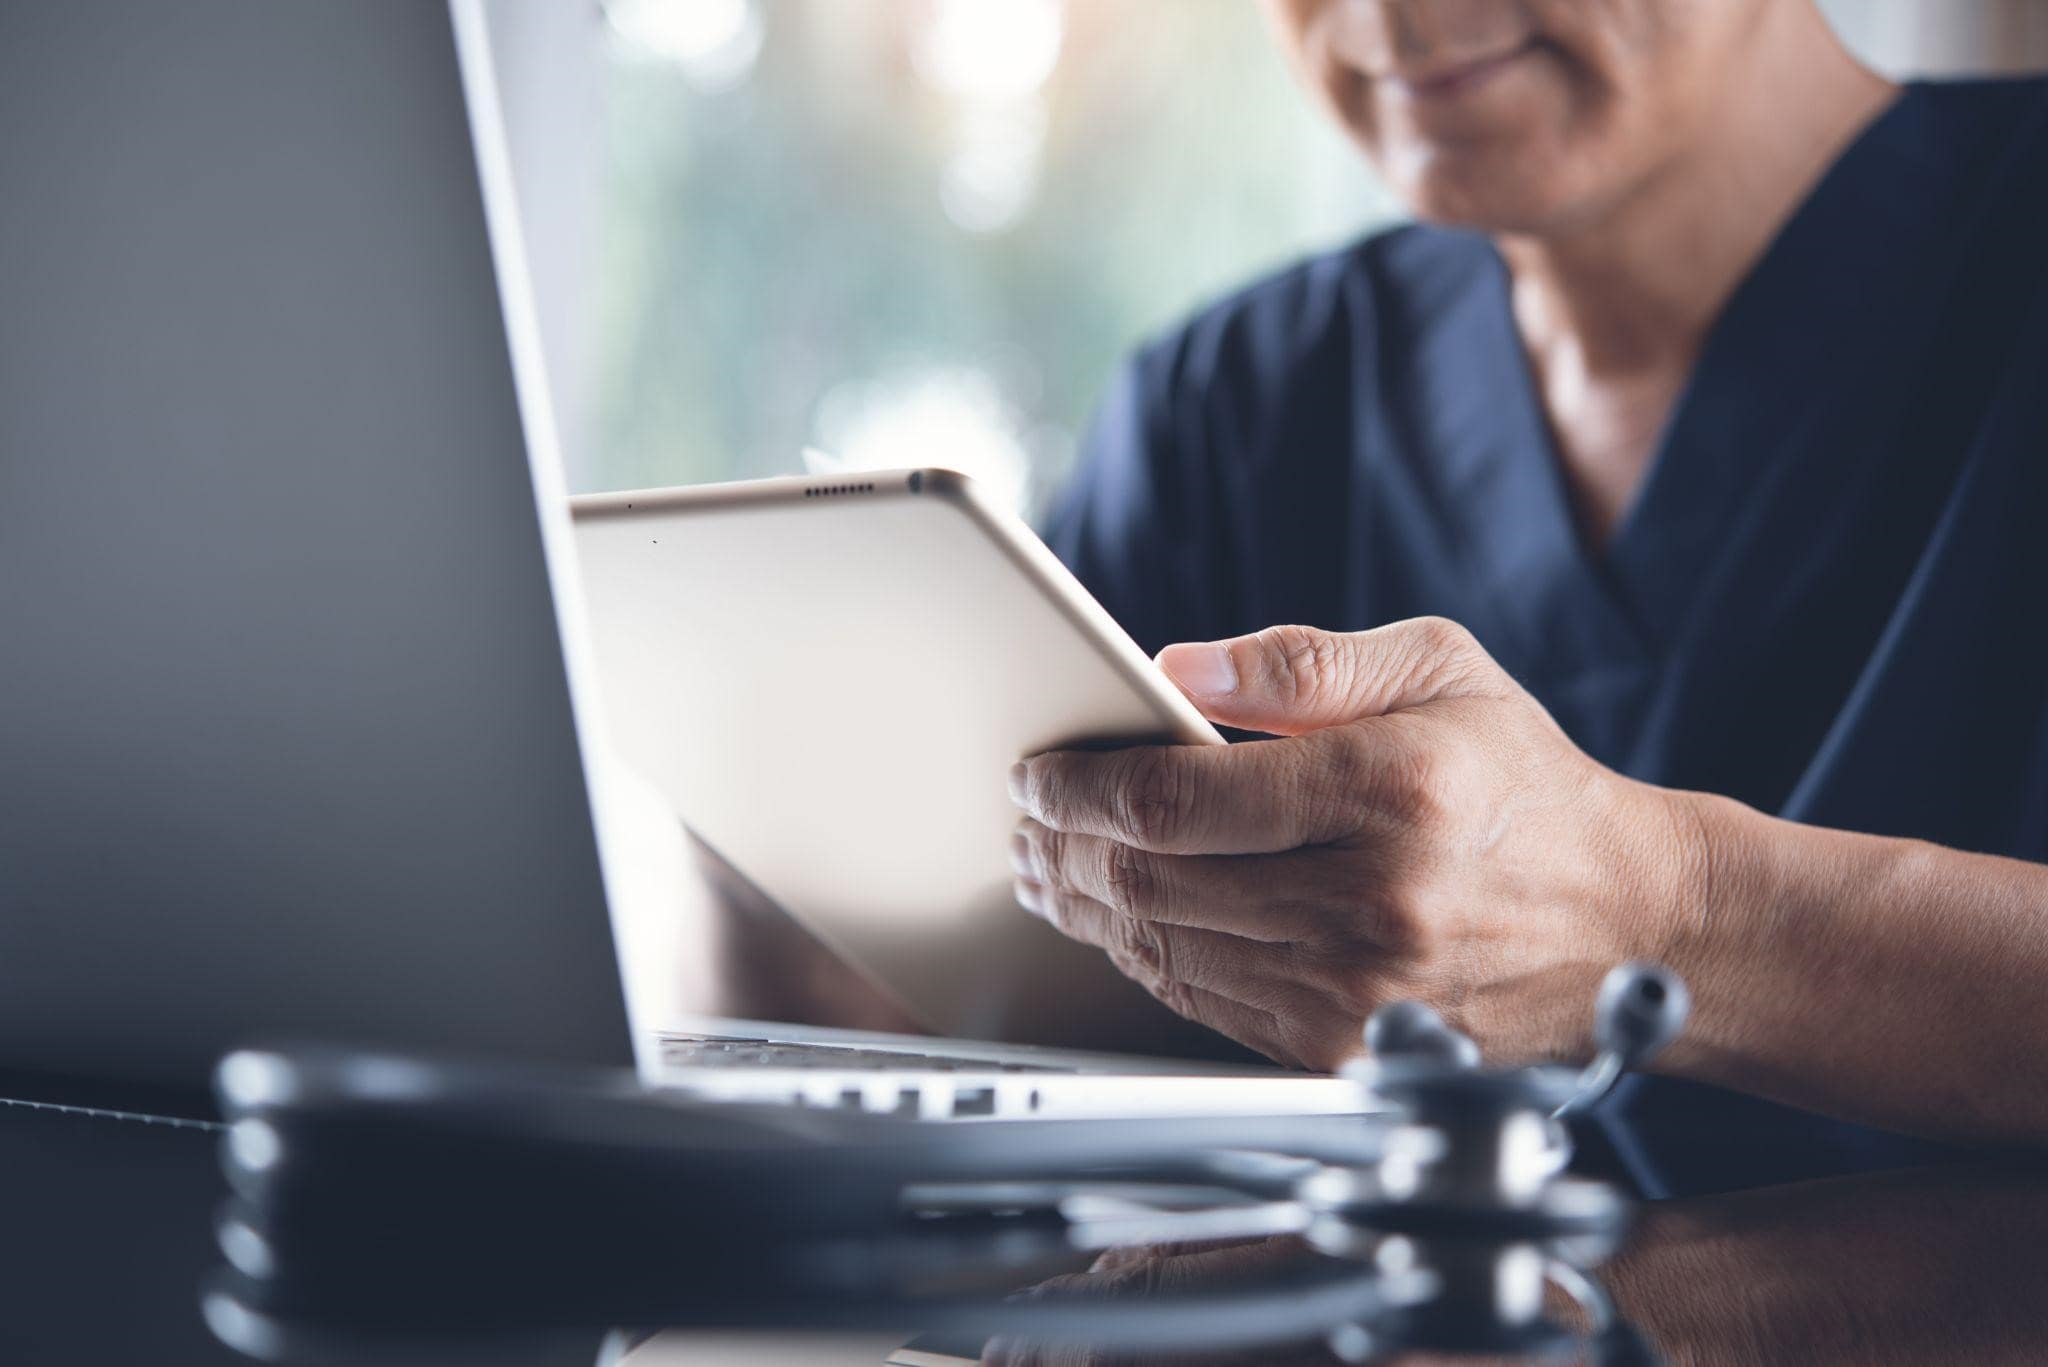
(1420, 828)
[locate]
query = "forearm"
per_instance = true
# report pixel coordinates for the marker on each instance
(1887, 981)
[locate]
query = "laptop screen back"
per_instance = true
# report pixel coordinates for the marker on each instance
(286, 749)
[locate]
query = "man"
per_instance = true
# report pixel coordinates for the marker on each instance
(1710, 400)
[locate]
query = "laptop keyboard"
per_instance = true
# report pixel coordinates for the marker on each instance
(762, 1053)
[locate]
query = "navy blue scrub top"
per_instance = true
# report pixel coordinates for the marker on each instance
(1826, 600)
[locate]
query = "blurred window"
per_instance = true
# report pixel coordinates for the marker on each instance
(922, 232)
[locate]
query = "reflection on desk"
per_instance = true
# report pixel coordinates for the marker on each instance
(108, 1233)
(1930, 1266)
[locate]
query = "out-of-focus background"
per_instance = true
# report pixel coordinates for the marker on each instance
(921, 232)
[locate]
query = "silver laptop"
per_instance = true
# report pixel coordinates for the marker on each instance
(289, 743)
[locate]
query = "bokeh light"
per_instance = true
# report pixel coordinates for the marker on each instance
(714, 42)
(992, 176)
(990, 49)
(924, 231)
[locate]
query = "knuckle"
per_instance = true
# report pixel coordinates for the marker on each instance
(1128, 880)
(1405, 928)
(1046, 783)
(1447, 656)
(1413, 785)
(1070, 791)
(1336, 787)
(1429, 797)
(1139, 942)
(1048, 855)
(1069, 915)
(1152, 802)
(1440, 637)
(1058, 913)
(1299, 659)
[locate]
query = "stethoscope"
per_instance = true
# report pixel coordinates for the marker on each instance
(378, 1196)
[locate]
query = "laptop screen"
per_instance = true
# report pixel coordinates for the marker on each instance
(286, 743)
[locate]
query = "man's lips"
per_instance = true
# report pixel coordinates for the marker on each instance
(1457, 78)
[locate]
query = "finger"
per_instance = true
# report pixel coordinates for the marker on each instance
(1235, 894)
(1255, 798)
(1246, 970)
(1288, 680)
(1156, 957)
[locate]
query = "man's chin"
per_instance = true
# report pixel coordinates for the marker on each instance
(1491, 194)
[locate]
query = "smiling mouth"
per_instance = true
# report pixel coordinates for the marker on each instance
(1448, 82)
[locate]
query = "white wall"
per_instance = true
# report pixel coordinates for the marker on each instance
(1945, 37)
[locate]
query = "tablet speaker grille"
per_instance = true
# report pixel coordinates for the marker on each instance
(833, 490)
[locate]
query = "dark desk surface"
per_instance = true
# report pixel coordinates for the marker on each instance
(106, 1230)
(106, 1226)
(106, 1233)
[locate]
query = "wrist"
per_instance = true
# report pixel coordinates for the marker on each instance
(1700, 892)
(1718, 930)
(1670, 908)
(1696, 911)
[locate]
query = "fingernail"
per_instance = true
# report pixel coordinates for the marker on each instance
(1204, 670)
(1017, 783)
(1030, 896)
(1020, 855)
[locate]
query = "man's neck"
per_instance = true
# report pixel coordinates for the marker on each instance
(1613, 309)
(1637, 285)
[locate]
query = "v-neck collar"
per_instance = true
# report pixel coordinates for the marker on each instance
(1790, 344)
(1471, 426)
(1814, 319)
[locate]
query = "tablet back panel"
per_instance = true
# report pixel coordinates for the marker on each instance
(829, 679)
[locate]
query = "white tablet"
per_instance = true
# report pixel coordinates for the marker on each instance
(829, 679)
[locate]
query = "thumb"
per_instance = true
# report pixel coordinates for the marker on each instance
(1287, 680)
